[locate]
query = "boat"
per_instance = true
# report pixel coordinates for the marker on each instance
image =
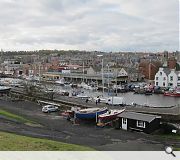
(4, 89)
(82, 96)
(68, 114)
(175, 93)
(10, 82)
(109, 116)
(90, 113)
(148, 92)
(60, 81)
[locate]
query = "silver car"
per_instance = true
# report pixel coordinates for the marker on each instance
(49, 108)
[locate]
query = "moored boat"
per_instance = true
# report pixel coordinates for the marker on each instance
(109, 116)
(172, 94)
(4, 89)
(60, 81)
(82, 96)
(90, 113)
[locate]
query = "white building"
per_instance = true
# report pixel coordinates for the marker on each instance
(172, 79)
(161, 77)
(122, 72)
(167, 78)
(178, 79)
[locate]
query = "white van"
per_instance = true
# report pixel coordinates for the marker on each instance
(115, 101)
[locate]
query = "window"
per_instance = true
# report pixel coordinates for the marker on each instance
(141, 124)
(164, 78)
(124, 120)
(160, 73)
(156, 78)
(178, 78)
(156, 83)
(170, 84)
(163, 84)
(171, 78)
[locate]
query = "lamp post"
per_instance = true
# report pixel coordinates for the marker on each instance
(108, 78)
(102, 70)
(39, 72)
(116, 81)
(83, 71)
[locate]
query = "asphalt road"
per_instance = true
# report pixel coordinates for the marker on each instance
(55, 127)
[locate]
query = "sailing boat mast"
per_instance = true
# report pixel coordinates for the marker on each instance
(83, 71)
(150, 69)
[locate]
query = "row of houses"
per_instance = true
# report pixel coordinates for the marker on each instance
(166, 77)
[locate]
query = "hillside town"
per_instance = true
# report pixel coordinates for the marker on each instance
(159, 69)
(89, 75)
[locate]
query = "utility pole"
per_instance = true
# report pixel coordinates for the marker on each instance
(103, 76)
(102, 70)
(116, 81)
(39, 72)
(83, 71)
(108, 78)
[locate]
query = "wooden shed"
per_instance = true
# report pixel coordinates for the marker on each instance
(138, 121)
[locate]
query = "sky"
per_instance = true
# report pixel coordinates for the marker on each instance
(103, 25)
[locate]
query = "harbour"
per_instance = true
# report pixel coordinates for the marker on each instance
(169, 109)
(154, 100)
(89, 76)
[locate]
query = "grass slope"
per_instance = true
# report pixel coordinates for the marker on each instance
(12, 142)
(171, 137)
(14, 116)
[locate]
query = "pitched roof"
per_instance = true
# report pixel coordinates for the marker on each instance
(167, 71)
(138, 116)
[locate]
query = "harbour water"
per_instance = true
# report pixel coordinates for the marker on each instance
(155, 100)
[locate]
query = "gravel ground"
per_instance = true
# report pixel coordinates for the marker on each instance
(57, 128)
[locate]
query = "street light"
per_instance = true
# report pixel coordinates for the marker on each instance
(108, 77)
(102, 72)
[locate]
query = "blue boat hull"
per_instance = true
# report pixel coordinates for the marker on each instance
(90, 115)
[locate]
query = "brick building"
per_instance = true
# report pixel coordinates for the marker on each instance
(149, 69)
(171, 63)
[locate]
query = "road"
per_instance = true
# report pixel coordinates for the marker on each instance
(57, 128)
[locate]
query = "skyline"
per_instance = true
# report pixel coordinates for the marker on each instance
(102, 25)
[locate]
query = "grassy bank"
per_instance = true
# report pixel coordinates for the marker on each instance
(12, 142)
(15, 117)
(171, 137)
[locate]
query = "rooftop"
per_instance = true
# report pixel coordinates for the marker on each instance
(139, 116)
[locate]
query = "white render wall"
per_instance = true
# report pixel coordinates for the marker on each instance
(168, 82)
(161, 79)
(178, 81)
(175, 78)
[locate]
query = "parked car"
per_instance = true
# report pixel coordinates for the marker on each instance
(49, 108)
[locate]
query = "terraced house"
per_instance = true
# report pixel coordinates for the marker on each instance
(166, 77)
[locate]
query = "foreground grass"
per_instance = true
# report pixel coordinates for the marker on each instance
(12, 142)
(15, 117)
(171, 137)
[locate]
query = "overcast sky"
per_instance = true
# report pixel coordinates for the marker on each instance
(104, 25)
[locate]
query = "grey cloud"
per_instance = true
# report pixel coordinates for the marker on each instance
(89, 24)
